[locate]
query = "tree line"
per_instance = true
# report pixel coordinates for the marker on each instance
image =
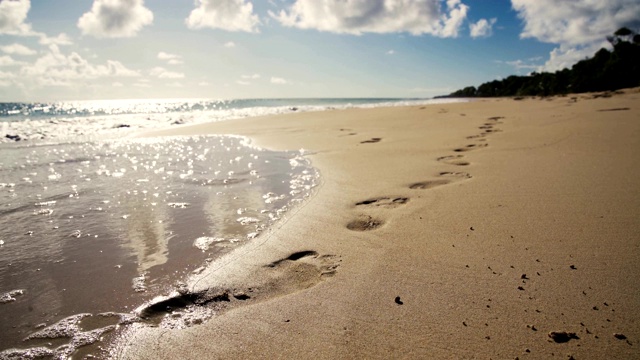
(607, 70)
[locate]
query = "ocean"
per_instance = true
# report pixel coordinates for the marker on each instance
(95, 222)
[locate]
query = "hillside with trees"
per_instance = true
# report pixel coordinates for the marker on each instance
(607, 70)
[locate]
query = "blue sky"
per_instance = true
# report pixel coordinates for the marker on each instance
(117, 49)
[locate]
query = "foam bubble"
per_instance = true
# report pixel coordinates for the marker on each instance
(11, 295)
(203, 243)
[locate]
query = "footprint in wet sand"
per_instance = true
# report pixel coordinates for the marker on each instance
(370, 141)
(364, 223)
(470, 147)
(298, 271)
(454, 160)
(446, 178)
(387, 202)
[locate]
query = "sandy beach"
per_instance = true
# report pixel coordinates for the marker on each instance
(491, 229)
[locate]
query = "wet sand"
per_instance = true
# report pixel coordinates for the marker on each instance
(492, 229)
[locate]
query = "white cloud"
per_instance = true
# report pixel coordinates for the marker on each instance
(56, 68)
(575, 22)
(230, 44)
(6, 60)
(163, 73)
(483, 28)
(172, 59)
(61, 39)
(6, 79)
(229, 15)
(175, 84)
(115, 18)
(203, 83)
(278, 80)
(578, 27)
(390, 52)
(376, 16)
(166, 56)
(17, 49)
(241, 82)
(253, 77)
(12, 17)
(565, 56)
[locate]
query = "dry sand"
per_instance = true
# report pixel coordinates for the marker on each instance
(471, 230)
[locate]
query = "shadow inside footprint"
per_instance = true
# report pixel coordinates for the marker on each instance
(371, 141)
(294, 257)
(384, 202)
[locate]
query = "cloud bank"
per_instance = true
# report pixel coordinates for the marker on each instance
(356, 17)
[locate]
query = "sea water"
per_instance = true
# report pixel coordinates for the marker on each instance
(94, 222)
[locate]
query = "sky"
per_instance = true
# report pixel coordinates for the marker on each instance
(223, 49)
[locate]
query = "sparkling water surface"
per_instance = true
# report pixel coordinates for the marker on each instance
(103, 226)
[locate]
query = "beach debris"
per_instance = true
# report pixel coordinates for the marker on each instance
(398, 301)
(13, 137)
(620, 336)
(76, 234)
(562, 336)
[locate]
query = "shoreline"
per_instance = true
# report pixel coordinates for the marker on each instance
(472, 239)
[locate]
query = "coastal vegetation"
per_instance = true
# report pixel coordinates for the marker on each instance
(607, 70)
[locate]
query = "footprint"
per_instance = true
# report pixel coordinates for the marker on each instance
(496, 118)
(448, 178)
(298, 271)
(454, 160)
(370, 141)
(364, 223)
(386, 202)
(476, 136)
(470, 147)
